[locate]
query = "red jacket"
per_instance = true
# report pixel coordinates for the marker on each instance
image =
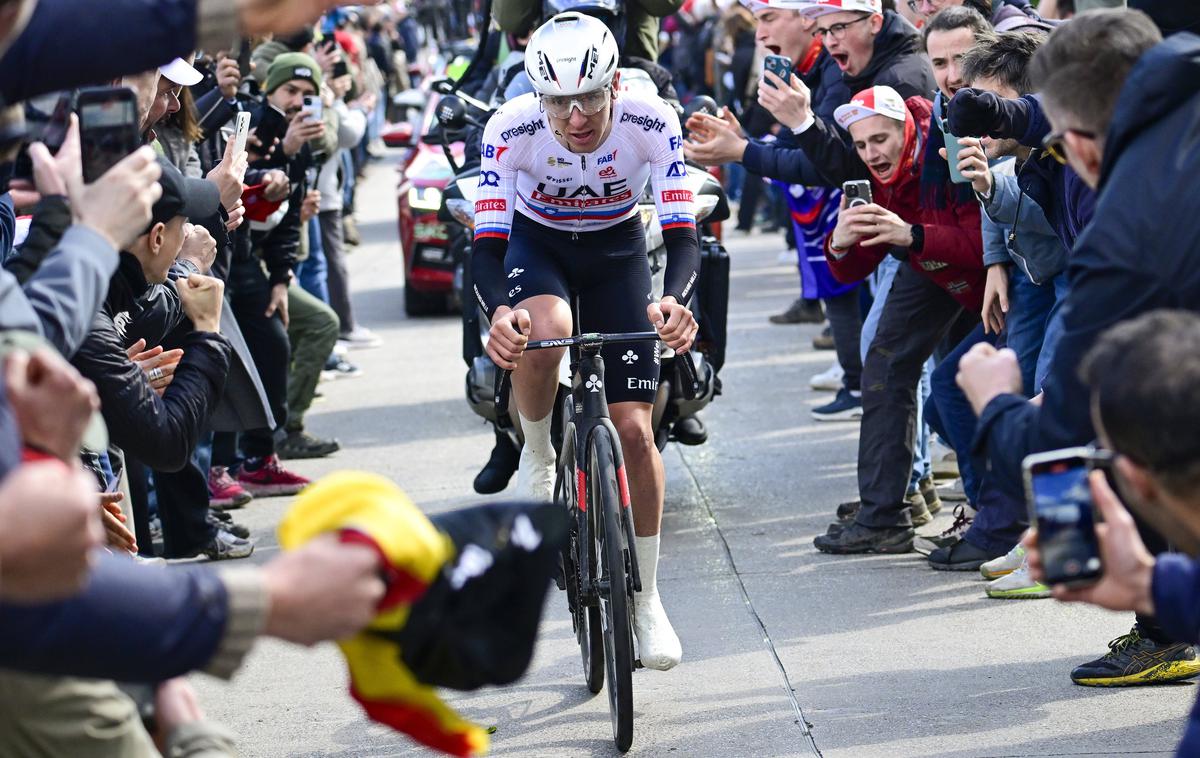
(952, 255)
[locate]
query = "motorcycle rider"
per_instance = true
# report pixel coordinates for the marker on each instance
(561, 175)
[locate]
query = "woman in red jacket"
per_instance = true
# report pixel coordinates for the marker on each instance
(938, 294)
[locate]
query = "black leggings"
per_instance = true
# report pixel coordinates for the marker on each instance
(609, 272)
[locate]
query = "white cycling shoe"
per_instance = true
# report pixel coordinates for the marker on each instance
(535, 477)
(658, 645)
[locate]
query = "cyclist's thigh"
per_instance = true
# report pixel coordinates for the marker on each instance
(614, 291)
(532, 263)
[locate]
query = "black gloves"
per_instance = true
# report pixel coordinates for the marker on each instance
(976, 113)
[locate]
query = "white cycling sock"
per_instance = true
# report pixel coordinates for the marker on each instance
(535, 473)
(647, 559)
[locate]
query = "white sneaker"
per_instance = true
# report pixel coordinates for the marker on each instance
(830, 379)
(361, 337)
(535, 478)
(1017, 585)
(658, 645)
(1005, 564)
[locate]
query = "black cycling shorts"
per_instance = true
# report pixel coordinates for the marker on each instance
(609, 272)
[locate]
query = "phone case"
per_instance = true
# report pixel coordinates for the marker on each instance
(780, 65)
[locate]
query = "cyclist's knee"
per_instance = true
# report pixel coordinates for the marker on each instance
(637, 438)
(541, 362)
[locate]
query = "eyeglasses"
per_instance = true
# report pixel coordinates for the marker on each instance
(588, 103)
(837, 31)
(1055, 144)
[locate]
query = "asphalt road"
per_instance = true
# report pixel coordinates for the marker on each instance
(786, 651)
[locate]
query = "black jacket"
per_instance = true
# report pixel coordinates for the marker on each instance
(826, 157)
(160, 432)
(1137, 255)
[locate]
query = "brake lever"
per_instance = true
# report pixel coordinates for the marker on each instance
(689, 375)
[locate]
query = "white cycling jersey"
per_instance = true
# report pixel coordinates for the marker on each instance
(524, 169)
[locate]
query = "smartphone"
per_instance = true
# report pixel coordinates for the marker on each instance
(241, 130)
(313, 107)
(952, 151)
(1060, 506)
(340, 68)
(108, 128)
(46, 120)
(857, 193)
(269, 124)
(780, 65)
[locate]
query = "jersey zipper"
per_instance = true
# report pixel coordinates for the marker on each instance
(579, 218)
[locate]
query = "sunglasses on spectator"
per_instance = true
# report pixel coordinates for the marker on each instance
(837, 31)
(588, 103)
(1055, 144)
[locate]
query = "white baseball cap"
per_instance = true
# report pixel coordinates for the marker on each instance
(818, 8)
(875, 101)
(789, 5)
(181, 72)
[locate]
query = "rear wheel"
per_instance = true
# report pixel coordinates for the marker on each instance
(585, 619)
(615, 589)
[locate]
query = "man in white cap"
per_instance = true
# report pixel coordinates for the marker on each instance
(937, 295)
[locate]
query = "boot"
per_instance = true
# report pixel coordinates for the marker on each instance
(501, 465)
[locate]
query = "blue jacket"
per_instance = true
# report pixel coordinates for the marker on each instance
(1137, 255)
(782, 159)
(1176, 590)
(131, 623)
(1035, 246)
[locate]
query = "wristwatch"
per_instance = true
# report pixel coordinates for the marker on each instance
(918, 238)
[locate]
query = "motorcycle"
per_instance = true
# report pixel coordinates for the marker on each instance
(677, 398)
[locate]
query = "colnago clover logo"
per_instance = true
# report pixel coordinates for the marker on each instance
(593, 383)
(648, 123)
(529, 127)
(630, 357)
(515, 273)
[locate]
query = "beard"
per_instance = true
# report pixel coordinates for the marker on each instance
(1002, 148)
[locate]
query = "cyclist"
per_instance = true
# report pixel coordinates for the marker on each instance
(562, 172)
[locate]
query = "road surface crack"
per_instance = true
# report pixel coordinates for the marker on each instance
(800, 721)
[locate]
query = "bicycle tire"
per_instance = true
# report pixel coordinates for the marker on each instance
(585, 619)
(615, 594)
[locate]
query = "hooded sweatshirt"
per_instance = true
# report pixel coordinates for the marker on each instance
(952, 252)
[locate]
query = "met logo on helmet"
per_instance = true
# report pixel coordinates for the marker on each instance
(528, 128)
(648, 123)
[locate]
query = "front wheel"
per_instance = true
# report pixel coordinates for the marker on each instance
(584, 618)
(616, 595)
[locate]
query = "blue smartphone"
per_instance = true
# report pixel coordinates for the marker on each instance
(780, 65)
(1060, 505)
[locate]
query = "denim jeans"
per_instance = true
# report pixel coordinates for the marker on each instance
(1054, 330)
(313, 272)
(881, 282)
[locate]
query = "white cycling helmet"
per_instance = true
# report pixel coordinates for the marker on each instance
(571, 54)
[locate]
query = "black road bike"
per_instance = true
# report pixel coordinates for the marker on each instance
(599, 563)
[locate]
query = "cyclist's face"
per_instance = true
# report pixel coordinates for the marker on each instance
(587, 123)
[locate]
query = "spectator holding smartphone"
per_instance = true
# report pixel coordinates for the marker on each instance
(1142, 376)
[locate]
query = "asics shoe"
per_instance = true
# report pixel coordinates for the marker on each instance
(658, 645)
(1132, 660)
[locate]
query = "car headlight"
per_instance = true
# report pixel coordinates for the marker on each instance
(463, 211)
(425, 198)
(703, 205)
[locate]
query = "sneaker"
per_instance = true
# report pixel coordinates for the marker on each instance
(350, 231)
(361, 337)
(917, 509)
(301, 444)
(847, 406)
(224, 491)
(929, 492)
(953, 492)
(237, 530)
(959, 556)
(1132, 659)
(1017, 585)
(857, 538)
(270, 479)
(963, 516)
(824, 340)
(830, 379)
(225, 546)
(1005, 564)
(337, 367)
(945, 466)
(800, 312)
(658, 645)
